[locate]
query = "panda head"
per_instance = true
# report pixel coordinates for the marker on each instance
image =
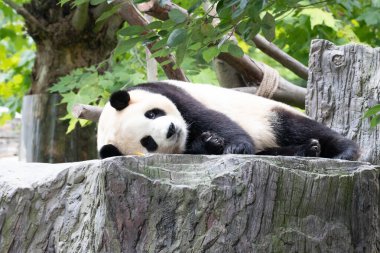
(138, 122)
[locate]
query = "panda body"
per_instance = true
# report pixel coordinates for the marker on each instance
(205, 119)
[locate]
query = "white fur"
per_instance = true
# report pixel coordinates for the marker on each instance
(127, 127)
(251, 112)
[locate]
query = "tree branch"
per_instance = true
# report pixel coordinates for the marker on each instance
(155, 9)
(252, 73)
(25, 14)
(88, 112)
(131, 14)
(286, 60)
(245, 66)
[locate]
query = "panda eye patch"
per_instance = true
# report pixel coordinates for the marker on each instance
(154, 113)
(149, 143)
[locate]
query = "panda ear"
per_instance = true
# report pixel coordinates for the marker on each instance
(119, 99)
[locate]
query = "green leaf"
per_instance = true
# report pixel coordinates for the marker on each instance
(180, 54)
(131, 30)
(161, 53)
(268, 26)
(4, 117)
(105, 15)
(210, 53)
(139, 1)
(370, 16)
(154, 25)
(79, 2)
(194, 6)
(320, 17)
(62, 2)
(96, 2)
(72, 124)
(375, 121)
(177, 37)
(159, 44)
(372, 111)
(235, 50)
(165, 62)
(126, 45)
(177, 16)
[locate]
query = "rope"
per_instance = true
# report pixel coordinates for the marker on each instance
(270, 81)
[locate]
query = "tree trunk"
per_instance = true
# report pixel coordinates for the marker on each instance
(181, 203)
(66, 39)
(43, 137)
(343, 83)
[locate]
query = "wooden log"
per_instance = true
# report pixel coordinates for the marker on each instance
(182, 203)
(343, 83)
(88, 112)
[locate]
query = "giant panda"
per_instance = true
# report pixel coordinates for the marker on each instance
(181, 117)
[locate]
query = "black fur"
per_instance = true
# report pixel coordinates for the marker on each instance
(154, 113)
(109, 150)
(201, 119)
(292, 129)
(149, 143)
(171, 131)
(119, 100)
(310, 149)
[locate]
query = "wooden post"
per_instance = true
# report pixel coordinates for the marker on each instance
(343, 83)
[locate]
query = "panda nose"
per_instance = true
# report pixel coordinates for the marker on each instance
(171, 131)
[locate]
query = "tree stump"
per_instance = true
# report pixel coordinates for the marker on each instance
(183, 203)
(343, 83)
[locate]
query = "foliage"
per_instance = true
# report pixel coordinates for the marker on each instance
(94, 86)
(373, 114)
(196, 39)
(16, 60)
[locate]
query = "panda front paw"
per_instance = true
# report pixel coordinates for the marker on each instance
(214, 144)
(239, 148)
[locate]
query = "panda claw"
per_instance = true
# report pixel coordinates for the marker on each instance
(214, 144)
(313, 148)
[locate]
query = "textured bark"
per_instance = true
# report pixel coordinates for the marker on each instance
(179, 203)
(88, 112)
(43, 134)
(61, 47)
(343, 83)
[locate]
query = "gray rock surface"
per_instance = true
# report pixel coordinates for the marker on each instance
(182, 203)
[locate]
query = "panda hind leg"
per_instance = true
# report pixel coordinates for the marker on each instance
(310, 149)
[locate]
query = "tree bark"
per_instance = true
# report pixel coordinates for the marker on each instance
(181, 203)
(343, 83)
(65, 39)
(43, 137)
